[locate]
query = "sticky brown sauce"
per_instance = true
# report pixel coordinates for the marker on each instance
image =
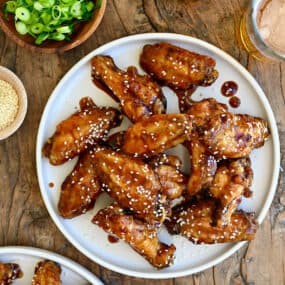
(184, 98)
(234, 102)
(229, 88)
(112, 239)
(51, 185)
(104, 88)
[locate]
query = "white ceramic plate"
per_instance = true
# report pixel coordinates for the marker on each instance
(28, 257)
(91, 240)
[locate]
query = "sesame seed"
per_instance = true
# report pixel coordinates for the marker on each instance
(9, 104)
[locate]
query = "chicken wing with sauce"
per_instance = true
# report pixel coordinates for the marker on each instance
(165, 159)
(228, 135)
(9, 272)
(156, 134)
(141, 236)
(231, 181)
(205, 109)
(176, 67)
(74, 134)
(203, 166)
(203, 163)
(167, 168)
(81, 187)
(115, 141)
(195, 222)
(139, 96)
(132, 183)
(47, 272)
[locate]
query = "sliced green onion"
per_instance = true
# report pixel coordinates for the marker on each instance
(23, 14)
(47, 3)
(41, 38)
(29, 2)
(75, 10)
(49, 19)
(56, 12)
(46, 17)
(38, 6)
(37, 28)
(90, 6)
(56, 36)
(21, 28)
(64, 30)
(11, 6)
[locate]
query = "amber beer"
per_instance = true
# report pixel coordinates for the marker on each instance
(258, 33)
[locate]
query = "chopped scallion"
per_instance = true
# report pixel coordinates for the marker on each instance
(49, 19)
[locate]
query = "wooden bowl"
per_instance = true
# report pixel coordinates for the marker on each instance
(81, 34)
(10, 77)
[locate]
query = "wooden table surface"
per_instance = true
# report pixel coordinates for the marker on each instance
(24, 218)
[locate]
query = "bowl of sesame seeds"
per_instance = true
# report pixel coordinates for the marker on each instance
(13, 102)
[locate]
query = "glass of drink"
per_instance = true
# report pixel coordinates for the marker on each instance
(262, 29)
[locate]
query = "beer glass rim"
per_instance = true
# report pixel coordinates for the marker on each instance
(255, 5)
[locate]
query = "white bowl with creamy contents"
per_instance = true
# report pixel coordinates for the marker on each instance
(13, 102)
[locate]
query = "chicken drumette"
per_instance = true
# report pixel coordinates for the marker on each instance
(74, 134)
(139, 96)
(80, 188)
(141, 236)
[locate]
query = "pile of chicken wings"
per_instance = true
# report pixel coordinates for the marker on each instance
(46, 272)
(147, 185)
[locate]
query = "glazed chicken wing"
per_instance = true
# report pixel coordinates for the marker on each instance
(139, 96)
(194, 221)
(81, 187)
(47, 272)
(203, 166)
(172, 180)
(176, 67)
(132, 183)
(152, 136)
(233, 136)
(9, 272)
(231, 181)
(115, 141)
(141, 236)
(205, 109)
(203, 163)
(165, 159)
(74, 134)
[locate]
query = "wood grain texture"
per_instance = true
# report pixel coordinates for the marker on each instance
(24, 218)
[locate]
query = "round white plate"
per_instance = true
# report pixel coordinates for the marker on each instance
(28, 257)
(90, 239)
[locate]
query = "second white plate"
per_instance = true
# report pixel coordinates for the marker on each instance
(28, 257)
(91, 240)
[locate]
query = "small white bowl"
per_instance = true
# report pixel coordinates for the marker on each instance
(10, 77)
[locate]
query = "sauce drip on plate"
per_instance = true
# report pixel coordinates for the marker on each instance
(229, 88)
(112, 239)
(234, 102)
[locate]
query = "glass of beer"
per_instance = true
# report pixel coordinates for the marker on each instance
(262, 29)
